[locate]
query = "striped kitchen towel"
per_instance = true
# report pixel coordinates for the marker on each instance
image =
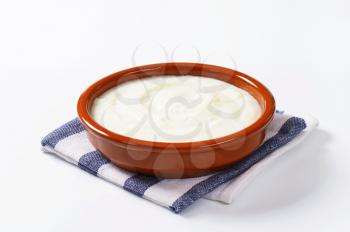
(70, 143)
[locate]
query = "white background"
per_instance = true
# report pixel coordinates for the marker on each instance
(50, 51)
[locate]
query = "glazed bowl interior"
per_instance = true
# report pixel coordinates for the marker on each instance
(240, 80)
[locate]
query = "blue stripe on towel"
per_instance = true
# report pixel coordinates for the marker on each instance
(68, 129)
(290, 129)
(138, 184)
(92, 161)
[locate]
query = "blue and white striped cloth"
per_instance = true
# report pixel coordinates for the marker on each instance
(70, 143)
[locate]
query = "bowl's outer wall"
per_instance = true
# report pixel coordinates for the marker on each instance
(171, 162)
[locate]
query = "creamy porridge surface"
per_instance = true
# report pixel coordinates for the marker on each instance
(175, 109)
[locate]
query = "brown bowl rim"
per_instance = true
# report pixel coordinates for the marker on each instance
(90, 123)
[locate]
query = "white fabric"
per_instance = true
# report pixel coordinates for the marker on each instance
(166, 192)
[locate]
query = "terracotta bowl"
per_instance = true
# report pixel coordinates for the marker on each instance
(177, 160)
